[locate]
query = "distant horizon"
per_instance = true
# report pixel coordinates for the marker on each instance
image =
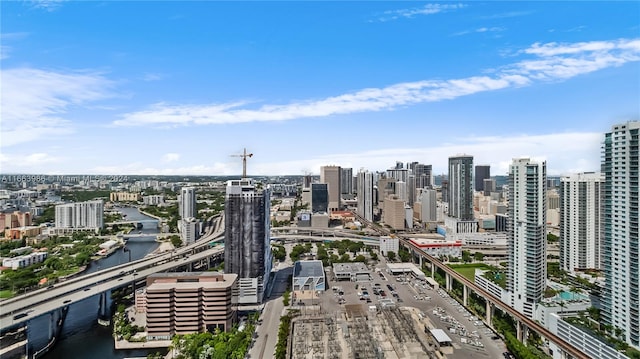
(224, 176)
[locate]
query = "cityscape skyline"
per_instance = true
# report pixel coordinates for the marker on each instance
(84, 93)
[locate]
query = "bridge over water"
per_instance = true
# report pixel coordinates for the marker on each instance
(53, 302)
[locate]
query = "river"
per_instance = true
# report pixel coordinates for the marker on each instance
(82, 337)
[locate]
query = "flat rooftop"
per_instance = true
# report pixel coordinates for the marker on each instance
(350, 268)
(308, 269)
(440, 336)
(434, 243)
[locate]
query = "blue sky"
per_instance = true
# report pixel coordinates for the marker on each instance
(177, 87)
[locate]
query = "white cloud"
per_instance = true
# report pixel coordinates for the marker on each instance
(34, 101)
(428, 9)
(49, 5)
(137, 168)
(552, 62)
(7, 37)
(480, 30)
(505, 15)
(171, 157)
(4, 52)
(10, 163)
(571, 152)
(568, 153)
(152, 77)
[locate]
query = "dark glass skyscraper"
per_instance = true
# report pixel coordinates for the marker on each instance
(483, 172)
(247, 238)
(319, 197)
(461, 187)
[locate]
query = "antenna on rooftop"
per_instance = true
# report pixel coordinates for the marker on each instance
(244, 156)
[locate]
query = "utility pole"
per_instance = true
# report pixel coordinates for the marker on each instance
(244, 156)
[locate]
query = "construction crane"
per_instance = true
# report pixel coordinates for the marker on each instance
(244, 156)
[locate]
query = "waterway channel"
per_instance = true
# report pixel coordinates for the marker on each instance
(82, 337)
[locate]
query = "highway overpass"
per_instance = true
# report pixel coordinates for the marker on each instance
(42, 301)
(304, 237)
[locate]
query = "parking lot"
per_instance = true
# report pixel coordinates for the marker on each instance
(434, 309)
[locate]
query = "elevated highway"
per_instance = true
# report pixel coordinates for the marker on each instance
(293, 237)
(33, 304)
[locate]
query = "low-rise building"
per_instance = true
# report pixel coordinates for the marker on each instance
(402, 268)
(320, 220)
(189, 302)
(24, 261)
(22, 232)
(124, 197)
(351, 271)
(438, 248)
(585, 342)
(389, 244)
(153, 200)
(308, 276)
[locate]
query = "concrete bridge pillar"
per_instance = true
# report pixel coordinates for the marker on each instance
(465, 295)
(433, 269)
(105, 310)
(447, 278)
(489, 313)
(52, 323)
(522, 332)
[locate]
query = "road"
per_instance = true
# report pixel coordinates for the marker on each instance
(267, 332)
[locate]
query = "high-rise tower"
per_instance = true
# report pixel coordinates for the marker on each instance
(581, 228)
(187, 202)
(346, 181)
(319, 197)
(331, 176)
(365, 195)
(423, 175)
(80, 215)
(247, 251)
(483, 172)
(461, 187)
(620, 250)
(527, 227)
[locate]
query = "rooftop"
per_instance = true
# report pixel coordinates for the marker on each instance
(440, 336)
(308, 269)
(349, 267)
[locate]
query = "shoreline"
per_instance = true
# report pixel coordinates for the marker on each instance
(160, 219)
(165, 246)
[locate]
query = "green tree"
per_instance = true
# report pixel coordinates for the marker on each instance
(404, 255)
(478, 256)
(466, 256)
(373, 255)
(594, 313)
(82, 259)
(391, 255)
(176, 241)
(360, 258)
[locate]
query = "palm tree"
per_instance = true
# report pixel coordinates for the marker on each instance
(562, 306)
(574, 290)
